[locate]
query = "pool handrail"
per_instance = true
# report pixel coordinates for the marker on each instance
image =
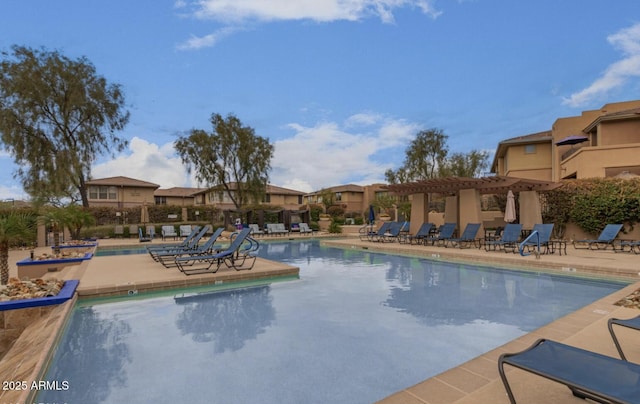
(530, 236)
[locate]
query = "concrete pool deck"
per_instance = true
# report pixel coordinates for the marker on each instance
(472, 382)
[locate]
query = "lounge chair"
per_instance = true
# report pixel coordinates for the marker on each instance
(467, 238)
(384, 228)
(392, 234)
(606, 238)
(634, 246)
(423, 231)
(169, 231)
(133, 230)
(587, 374)
(142, 238)
(234, 257)
(540, 236)
(509, 239)
(633, 323)
(191, 241)
(367, 231)
(167, 257)
(444, 232)
(305, 229)
(255, 230)
(118, 231)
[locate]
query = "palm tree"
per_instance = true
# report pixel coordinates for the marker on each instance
(77, 217)
(14, 227)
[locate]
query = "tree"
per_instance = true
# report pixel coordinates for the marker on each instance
(57, 116)
(14, 227)
(232, 157)
(470, 164)
(425, 156)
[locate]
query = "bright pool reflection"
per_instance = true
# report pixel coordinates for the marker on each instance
(355, 328)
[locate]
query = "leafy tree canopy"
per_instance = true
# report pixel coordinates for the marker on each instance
(232, 157)
(57, 116)
(428, 157)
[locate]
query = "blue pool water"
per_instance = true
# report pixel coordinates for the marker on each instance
(357, 327)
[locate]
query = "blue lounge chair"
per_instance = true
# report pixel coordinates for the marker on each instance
(587, 374)
(633, 323)
(540, 236)
(142, 238)
(234, 257)
(444, 232)
(372, 235)
(606, 238)
(509, 239)
(467, 238)
(167, 257)
(423, 231)
(190, 242)
(393, 234)
(634, 246)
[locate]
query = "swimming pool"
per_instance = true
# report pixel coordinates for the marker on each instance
(357, 327)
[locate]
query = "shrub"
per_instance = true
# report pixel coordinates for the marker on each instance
(334, 227)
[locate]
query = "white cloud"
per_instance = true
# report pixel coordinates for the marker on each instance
(327, 154)
(147, 162)
(207, 41)
(618, 73)
(236, 13)
(317, 10)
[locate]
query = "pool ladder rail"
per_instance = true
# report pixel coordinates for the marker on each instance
(526, 240)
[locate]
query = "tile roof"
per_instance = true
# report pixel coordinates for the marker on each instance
(122, 181)
(177, 191)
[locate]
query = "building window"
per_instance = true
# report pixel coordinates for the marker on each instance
(338, 196)
(267, 198)
(529, 149)
(103, 192)
(299, 199)
(161, 200)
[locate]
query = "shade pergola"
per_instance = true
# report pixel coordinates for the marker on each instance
(486, 185)
(463, 201)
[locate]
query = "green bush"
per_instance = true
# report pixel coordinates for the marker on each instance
(335, 227)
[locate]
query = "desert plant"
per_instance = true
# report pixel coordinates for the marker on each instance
(14, 227)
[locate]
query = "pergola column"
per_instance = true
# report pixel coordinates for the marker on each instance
(530, 211)
(419, 213)
(469, 209)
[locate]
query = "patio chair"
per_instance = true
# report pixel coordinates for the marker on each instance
(587, 374)
(234, 257)
(276, 229)
(169, 231)
(167, 257)
(305, 229)
(633, 323)
(509, 239)
(118, 231)
(255, 230)
(445, 232)
(467, 238)
(423, 231)
(133, 230)
(540, 236)
(142, 238)
(185, 230)
(606, 238)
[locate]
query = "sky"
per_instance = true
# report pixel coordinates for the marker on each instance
(339, 87)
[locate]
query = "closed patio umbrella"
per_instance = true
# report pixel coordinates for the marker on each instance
(144, 213)
(510, 209)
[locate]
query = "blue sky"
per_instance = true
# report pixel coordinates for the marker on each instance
(340, 87)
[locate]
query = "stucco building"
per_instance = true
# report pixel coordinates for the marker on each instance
(598, 143)
(120, 192)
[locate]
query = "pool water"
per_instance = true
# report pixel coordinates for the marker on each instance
(356, 327)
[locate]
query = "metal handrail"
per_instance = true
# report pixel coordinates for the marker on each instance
(521, 247)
